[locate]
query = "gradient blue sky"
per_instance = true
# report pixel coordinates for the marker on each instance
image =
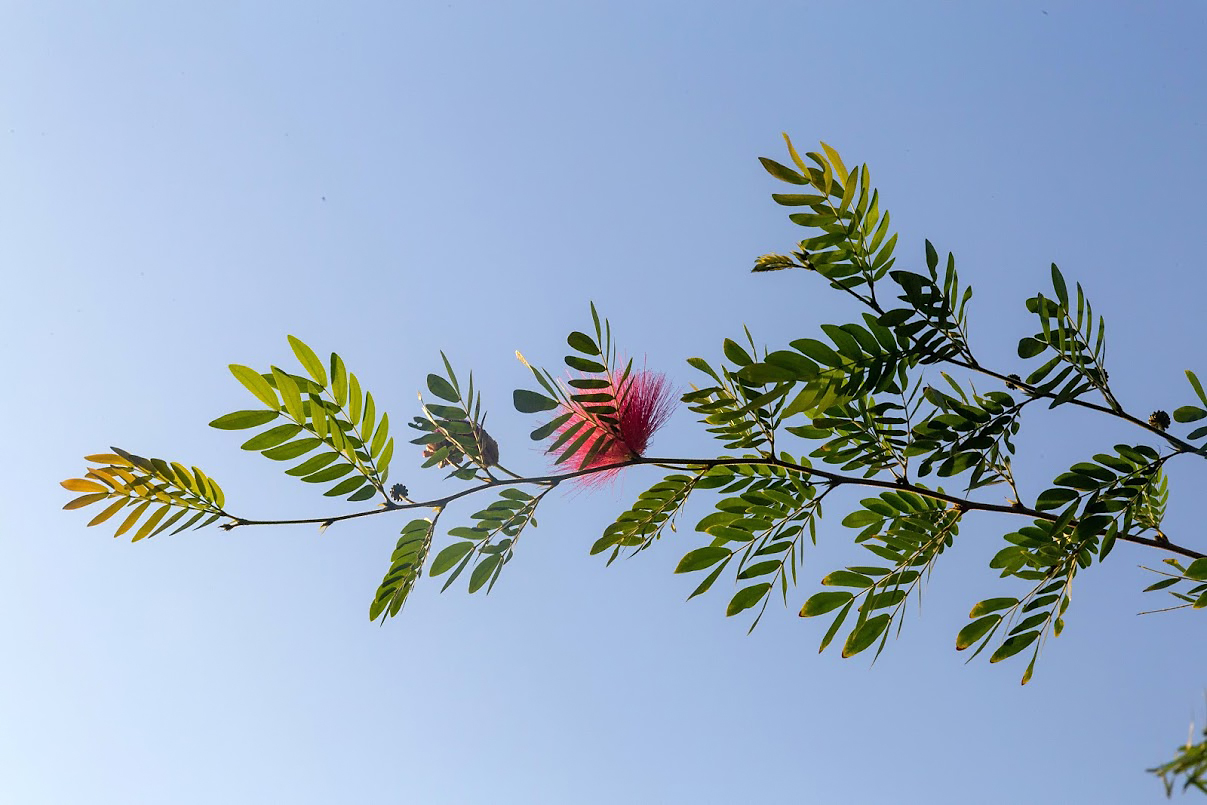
(183, 185)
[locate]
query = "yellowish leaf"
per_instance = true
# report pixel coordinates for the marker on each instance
(129, 521)
(840, 170)
(108, 512)
(800, 163)
(107, 458)
(85, 500)
(81, 485)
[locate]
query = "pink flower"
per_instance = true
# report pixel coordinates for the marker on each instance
(643, 403)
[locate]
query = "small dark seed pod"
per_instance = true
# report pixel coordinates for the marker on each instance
(1159, 420)
(490, 448)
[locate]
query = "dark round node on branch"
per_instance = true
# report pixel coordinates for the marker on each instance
(398, 492)
(1012, 382)
(227, 526)
(1159, 420)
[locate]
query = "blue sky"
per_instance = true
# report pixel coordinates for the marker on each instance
(182, 186)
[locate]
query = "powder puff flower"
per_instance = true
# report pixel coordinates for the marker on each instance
(612, 424)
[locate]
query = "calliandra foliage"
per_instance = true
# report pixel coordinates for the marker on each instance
(886, 403)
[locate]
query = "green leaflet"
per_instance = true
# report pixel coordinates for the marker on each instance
(821, 603)
(529, 402)
(701, 558)
(256, 384)
(448, 558)
(442, 388)
(973, 632)
(865, 635)
(747, 597)
(309, 361)
(241, 420)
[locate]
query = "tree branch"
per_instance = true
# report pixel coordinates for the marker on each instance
(964, 504)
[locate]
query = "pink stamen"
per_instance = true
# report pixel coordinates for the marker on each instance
(643, 404)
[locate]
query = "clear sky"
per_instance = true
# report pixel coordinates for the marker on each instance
(182, 185)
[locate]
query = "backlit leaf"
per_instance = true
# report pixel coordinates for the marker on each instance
(1013, 645)
(81, 485)
(339, 380)
(273, 436)
(108, 512)
(780, 172)
(483, 571)
(291, 397)
(85, 500)
(346, 486)
(701, 558)
(442, 388)
(256, 384)
(241, 420)
(865, 635)
(747, 597)
(449, 557)
(292, 449)
(974, 631)
(991, 605)
(309, 360)
(1188, 413)
(823, 602)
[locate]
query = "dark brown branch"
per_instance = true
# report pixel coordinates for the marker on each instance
(834, 479)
